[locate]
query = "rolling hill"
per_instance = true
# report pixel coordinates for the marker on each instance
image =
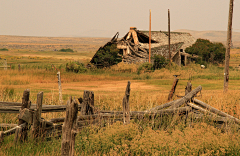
(214, 36)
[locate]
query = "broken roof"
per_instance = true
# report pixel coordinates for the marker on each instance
(162, 37)
(164, 49)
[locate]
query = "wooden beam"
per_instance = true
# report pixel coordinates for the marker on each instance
(214, 110)
(186, 98)
(12, 107)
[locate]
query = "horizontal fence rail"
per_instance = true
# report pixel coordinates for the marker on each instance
(13, 107)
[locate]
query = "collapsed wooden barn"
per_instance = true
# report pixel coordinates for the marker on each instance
(134, 46)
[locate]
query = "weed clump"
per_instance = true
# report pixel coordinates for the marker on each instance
(145, 67)
(4, 49)
(159, 62)
(66, 50)
(76, 67)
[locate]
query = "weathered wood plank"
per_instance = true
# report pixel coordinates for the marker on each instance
(132, 114)
(125, 104)
(172, 91)
(188, 88)
(201, 109)
(26, 115)
(36, 127)
(45, 108)
(214, 110)
(187, 97)
(88, 103)
(13, 130)
(165, 105)
(1, 137)
(21, 132)
(69, 129)
(5, 125)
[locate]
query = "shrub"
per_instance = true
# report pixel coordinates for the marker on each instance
(210, 52)
(4, 49)
(66, 50)
(144, 67)
(76, 67)
(159, 62)
(107, 56)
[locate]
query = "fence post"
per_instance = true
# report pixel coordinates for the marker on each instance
(125, 104)
(188, 88)
(59, 87)
(5, 64)
(88, 103)
(69, 128)
(172, 91)
(36, 127)
(1, 137)
(19, 67)
(21, 133)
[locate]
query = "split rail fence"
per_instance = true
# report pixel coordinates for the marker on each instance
(30, 119)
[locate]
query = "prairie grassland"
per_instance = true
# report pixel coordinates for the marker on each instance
(148, 89)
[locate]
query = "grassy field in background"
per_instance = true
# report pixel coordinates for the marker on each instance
(148, 89)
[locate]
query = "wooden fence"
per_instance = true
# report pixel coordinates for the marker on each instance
(67, 127)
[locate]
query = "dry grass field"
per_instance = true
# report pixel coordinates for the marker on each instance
(148, 89)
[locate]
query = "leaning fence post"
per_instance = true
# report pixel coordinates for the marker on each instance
(69, 128)
(88, 103)
(125, 104)
(21, 133)
(19, 67)
(1, 137)
(36, 130)
(59, 87)
(172, 91)
(188, 88)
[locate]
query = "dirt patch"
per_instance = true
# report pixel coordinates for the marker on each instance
(108, 86)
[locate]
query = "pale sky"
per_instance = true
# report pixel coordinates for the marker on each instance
(103, 18)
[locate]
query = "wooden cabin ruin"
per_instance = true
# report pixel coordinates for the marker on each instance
(134, 46)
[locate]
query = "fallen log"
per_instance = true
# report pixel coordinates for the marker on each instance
(213, 118)
(214, 110)
(164, 111)
(178, 102)
(163, 105)
(201, 109)
(186, 98)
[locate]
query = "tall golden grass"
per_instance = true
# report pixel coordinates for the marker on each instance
(109, 87)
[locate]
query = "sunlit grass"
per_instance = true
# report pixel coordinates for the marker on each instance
(148, 89)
